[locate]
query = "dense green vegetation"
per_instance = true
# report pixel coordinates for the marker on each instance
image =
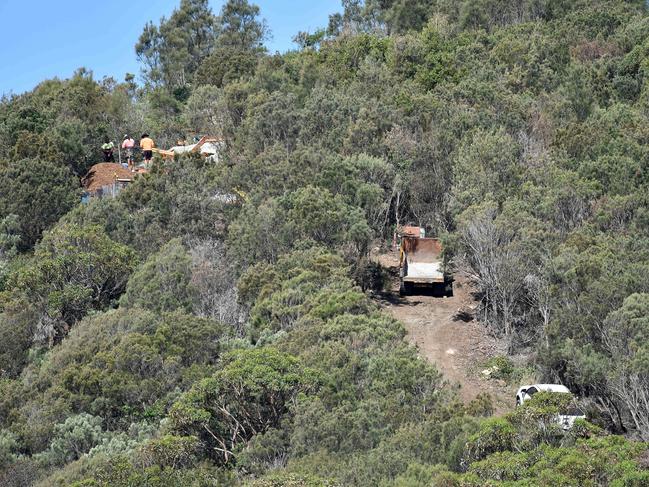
(213, 324)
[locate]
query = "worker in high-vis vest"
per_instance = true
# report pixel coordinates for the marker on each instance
(107, 148)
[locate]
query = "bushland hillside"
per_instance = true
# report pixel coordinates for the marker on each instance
(215, 323)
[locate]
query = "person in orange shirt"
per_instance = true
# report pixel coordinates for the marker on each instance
(147, 145)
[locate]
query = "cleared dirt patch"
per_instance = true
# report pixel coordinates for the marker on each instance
(104, 174)
(445, 333)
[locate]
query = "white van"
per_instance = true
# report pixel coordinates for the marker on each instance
(566, 418)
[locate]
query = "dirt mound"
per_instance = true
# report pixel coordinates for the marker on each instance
(104, 174)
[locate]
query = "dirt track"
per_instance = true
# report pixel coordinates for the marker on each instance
(458, 348)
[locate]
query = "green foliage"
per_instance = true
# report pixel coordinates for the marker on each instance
(261, 281)
(37, 193)
(74, 270)
(177, 200)
(290, 289)
(363, 181)
(9, 242)
(115, 443)
(398, 17)
(206, 111)
(17, 328)
(119, 471)
(372, 385)
(227, 64)
(605, 271)
(169, 452)
(310, 214)
(600, 461)
(163, 283)
(502, 451)
(500, 367)
(9, 236)
(123, 366)
(73, 438)
(238, 47)
(291, 480)
(173, 51)
(487, 163)
(495, 435)
(314, 214)
(8, 447)
(625, 338)
(239, 27)
(63, 122)
(501, 466)
(252, 393)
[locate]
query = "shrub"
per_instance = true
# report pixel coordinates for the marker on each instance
(38, 193)
(73, 438)
(252, 393)
(163, 282)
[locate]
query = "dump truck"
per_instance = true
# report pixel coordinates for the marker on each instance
(421, 265)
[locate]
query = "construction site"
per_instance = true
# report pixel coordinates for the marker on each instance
(108, 179)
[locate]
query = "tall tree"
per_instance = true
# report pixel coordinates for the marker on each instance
(391, 16)
(240, 27)
(172, 51)
(241, 35)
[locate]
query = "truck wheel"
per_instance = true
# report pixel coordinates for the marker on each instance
(449, 290)
(406, 289)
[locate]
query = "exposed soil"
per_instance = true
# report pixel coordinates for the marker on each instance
(104, 174)
(446, 333)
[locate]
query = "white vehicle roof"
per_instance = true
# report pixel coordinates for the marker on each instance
(547, 388)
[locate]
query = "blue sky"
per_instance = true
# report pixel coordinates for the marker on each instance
(41, 39)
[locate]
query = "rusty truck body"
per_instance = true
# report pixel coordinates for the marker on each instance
(421, 264)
